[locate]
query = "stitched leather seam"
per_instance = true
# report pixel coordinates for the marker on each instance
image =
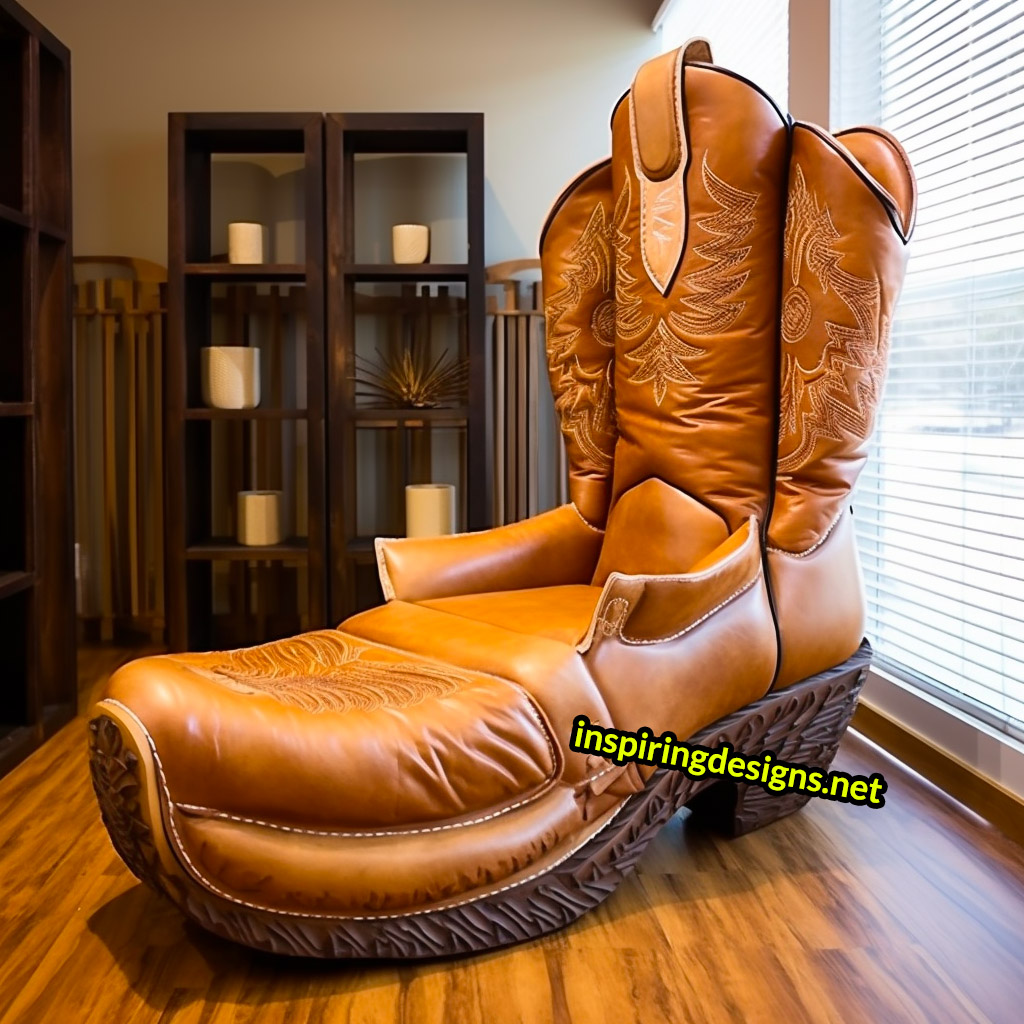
(589, 526)
(637, 641)
(609, 585)
(209, 812)
(814, 547)
(345, 917)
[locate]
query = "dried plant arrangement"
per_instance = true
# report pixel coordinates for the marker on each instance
(410, 379)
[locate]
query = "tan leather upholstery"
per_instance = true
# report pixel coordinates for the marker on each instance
(578, 263)
(843, 262)
(719, 295)
(558, 613)
(553, 549)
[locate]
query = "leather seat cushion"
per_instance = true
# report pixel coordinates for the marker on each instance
(558, 613)
(327, 730)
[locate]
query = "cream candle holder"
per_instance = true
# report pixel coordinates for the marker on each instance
(230, 376)
(259, 518)
(245, 242)
(410, 243)
(429, 510)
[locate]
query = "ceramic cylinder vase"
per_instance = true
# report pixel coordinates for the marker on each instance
(231, 376)
(245, 242)
(429, 510)
(410, 243)
(259, 518)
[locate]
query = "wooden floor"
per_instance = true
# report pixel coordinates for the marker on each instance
(914, 912)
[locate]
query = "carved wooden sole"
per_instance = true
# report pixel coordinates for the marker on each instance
(802, 724)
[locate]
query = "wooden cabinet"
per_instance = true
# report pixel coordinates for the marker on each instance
(38, 685)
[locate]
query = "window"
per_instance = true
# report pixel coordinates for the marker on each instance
(940, 508)
(750, 37)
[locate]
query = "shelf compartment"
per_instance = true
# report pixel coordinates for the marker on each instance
(388, 457)
(227, 456)
(390, 319)
(270, 317)
(409, 188)
(14, 376)
(263, 188)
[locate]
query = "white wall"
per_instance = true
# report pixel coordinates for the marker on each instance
(546, 74)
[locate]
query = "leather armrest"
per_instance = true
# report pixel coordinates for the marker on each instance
(551, 549)
(652, 609)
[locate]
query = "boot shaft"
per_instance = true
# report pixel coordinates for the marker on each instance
(578, 266)
(699, 160)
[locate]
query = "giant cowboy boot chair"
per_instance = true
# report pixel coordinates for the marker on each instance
(719, 295)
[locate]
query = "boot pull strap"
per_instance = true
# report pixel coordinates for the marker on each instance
(656, 109)
(697, 51)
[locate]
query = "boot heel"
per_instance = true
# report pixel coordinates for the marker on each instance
(802, 724)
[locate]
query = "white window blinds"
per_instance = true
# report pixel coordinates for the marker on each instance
(940, 508)
(750, 37)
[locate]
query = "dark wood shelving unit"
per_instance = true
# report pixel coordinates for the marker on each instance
(38, 687)
(258, 413)
(408, 434)
(226, 549)
(406, 271)
(221, 593)
(247, 271)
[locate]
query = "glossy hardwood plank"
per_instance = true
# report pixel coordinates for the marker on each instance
(914, 912)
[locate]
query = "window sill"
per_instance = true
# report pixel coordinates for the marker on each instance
(975, 746)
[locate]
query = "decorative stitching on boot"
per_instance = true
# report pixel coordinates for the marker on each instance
(818, 403)
(583, 398)
(664, 354)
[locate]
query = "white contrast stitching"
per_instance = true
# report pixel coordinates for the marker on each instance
(588, 525)
(341, 917)
(814, 547)
(637, 641)
(641, 174)
(209, 812)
